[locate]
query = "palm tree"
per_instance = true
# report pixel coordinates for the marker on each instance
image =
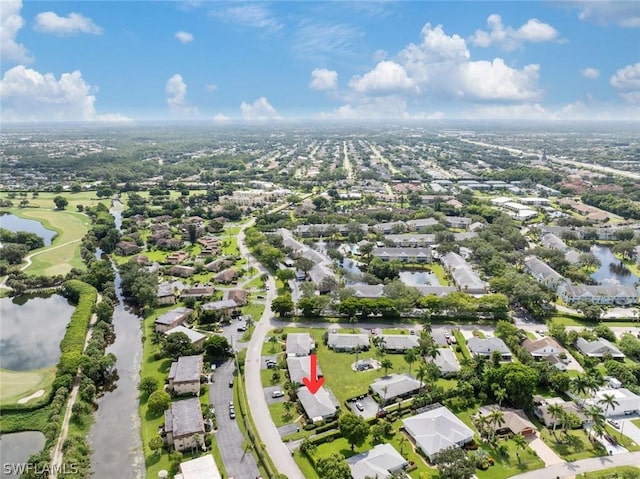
(425, 341)
(421, 374)
(386, 363)
(483, 422)
(500, 394)
(521, 443)
(556, 413)
(608, 401)
(357, 351)
(580, 385)
(411, 356)
(497, 419)
(288, 406)
(432, 350)
(272, 341)
(596, 417)
(426, 327)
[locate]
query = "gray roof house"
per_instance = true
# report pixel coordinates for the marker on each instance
(551, 241)
(380, 462)
(347, 342)
(182, 421)
(437, 429)
(542, 272)
(398, 343)
(486, 347)
(299, 344)
(598, 348)
(172, 318)
(319, 406)
(299, 367)
(367, 290)
(393, 386)
(599, 294)
(446, 361)
(197, 339)
(184, 375)
(421, 223)
(405, 255)
(466, 279)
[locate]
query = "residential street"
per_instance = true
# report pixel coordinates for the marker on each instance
(570, 469)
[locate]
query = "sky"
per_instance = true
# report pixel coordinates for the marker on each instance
(234, 61)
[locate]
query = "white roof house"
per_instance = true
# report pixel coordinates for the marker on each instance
(348, 342)
(542, 272)
(300, 367)
(319, 406)
(628, 402)
(195, 337)
(398, 342)
(466, 279)
(446, 361)
(299, 344)
(598, 348)
(395, 386)
(380, 462)
(200, 468)
(486, 347)
(437, 429)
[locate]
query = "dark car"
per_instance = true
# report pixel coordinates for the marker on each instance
(242, 328)
(230, 383)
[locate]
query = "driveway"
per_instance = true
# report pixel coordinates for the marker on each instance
(544, 452)
(628, 428)
(370, 407)
(228, 436)
(572, 469)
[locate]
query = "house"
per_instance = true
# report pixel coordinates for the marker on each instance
(546, 348)
(126, 248)
(542, 272)
(227, 276)
(322, 276)
(446, 361)
(381, 461)
(551, 241)
(184, 375)
(197, 292)
(457, 222)
(599, 294)
(203, 467)
(600, 348)
(486, 347)
(514, 421)
(404, 255)
(177, 257)
(300, 367)
(222, 309)
(165, 294)
(541, 410)
(436, 429)
(320, 406)
(412, 240)
(182, 271)
(392, 227)
(197, 339)
(367, 290)
(628, 402)
(183, 424)
(398, 343)
(172, 318)
(348, 342)
(439, 291)
(299, 344)
(463, 275)
(417, 225)
(239, 296)
(394, 386)
(218, 265)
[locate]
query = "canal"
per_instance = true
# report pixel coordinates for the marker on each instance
(612, 270)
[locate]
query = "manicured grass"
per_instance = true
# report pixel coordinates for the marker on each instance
(44, 200)
(279, 414)
(441, 275)
(509, 465)
(394, 331)
(623, 439)
(19, 384)
(611, 473)
(462, 343)
(269, 349)
(579, 446)
(636, 422)
(267, 374)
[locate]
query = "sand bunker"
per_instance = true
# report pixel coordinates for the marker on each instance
(37, 394)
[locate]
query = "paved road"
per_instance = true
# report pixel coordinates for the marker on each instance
(266, 429)
(570, 469)
(228, 436)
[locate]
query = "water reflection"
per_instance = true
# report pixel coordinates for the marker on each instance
(419, 278)
(15, 223)
(612, 270)
(17, 448)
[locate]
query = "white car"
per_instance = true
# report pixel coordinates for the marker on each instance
(277, 394)
(360, 406)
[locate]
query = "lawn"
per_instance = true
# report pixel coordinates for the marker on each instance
(441, 275)
(623, 439)
(612, 473)
(509, 465)
(279, 414)
(636, 422)
(44, 200)
(20, 384)
(269, 349)
(577, 447)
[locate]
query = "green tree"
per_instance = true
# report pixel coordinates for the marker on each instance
(217, 346)
(521, 443)
(158, 402)
(155, 444)
(453, 463)
(176, 345)
(387, 364)
(285, 275)
(148, 385)
(61, 202)
(410, 357)
(282, 305)
(353, 428)
(333, 467)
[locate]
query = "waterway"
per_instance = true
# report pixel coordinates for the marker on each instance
(612, 270)
(115, 434)
(419, 278)
(16, 449)
(15, 223)
(31, 328)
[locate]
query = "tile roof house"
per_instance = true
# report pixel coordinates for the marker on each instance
(197, 339)
(515, 421)
(347, 342)
(380, 462)
(184, 375)
(393, 386)
(398, 343)
(221, 309)
(198, 292)
(183, 424)
(300, 367)
(299, 344)
(182, 271)
(172, 318)
(446, 361)
(598, 348)
(546, 348)
(319, 406)
(437, 429)
(165, 294)
(541, 410)
(218, 264)
(239, 296)
(226, 276)
(486, 347)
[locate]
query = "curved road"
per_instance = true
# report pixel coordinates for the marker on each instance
(266, 429)
(571, 469)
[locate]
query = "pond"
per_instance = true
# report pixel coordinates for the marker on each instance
(419, 278)
(612, 270)
(15, 223)
(16, 449)
(31, 329)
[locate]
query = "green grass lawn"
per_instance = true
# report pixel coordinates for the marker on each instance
(20, 384)
(509, 465)
(269, 349)
(394, 331)
(624, 440)
(611, 473)
(579, 448)
(636, 422)
(44, 199)
(279, 415)
(441, 275)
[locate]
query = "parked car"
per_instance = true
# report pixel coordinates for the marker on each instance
(230, 383)
(242, 328)
(360, 406)
(615, 424)
(277, 394)
(232, 414)
(271, 364)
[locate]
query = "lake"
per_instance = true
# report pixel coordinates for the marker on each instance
(16, 448)
(419, 278)
(15, 223)
(31, 329)
(612, 270)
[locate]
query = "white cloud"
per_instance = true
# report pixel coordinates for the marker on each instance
(531, 111)
(626, 81)
(258, 110)
(508, 38)
(386, 78)
(220, 118)
(380, 55)
(10, 24)
(50, 22)
(609, 12)
(321, 40)
(29, 96)
(184, 37)
(484, 80)
(176, 91)
(249, 15)
(211, 87)
(323, 79)
(382, 107)
(590, 73)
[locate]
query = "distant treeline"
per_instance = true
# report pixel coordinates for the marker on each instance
(614, 204)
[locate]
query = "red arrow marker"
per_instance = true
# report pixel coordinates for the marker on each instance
(314, 383)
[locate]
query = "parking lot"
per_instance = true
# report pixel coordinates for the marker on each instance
(369, 407)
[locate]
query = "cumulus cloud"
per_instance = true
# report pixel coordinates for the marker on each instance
(323, 79)
(386, 78)
(176, 90)
(220, 118)
(508, 38)
(609, 12)
(184, 37)
(30, 96)
(495, 80)
(590, 73)
(260, 109)
(11, 22)
(50, 22)
(626, 81)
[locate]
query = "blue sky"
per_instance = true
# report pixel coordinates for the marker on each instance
(228, 61)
